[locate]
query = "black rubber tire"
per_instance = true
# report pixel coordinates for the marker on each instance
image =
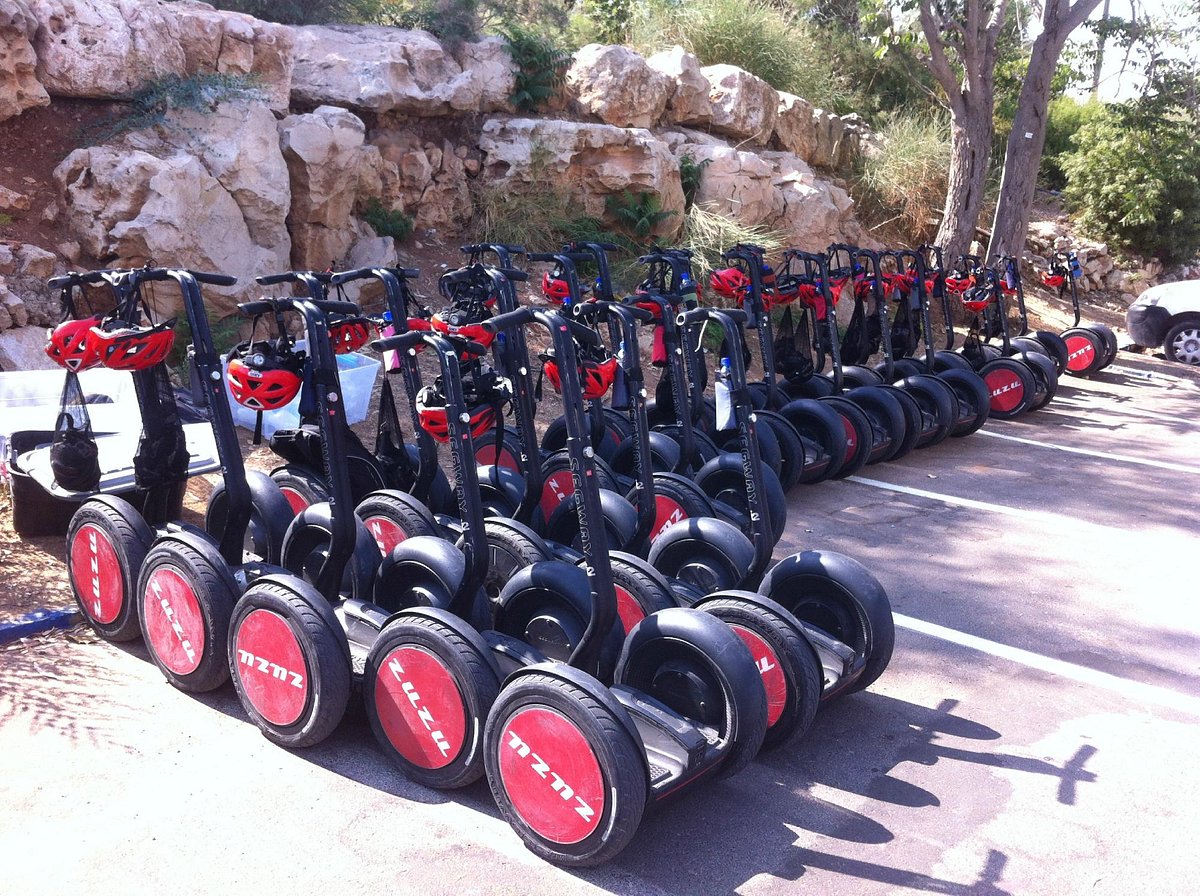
(186, 598)
(511, 547)
(854, 375)
(791, 448)
(938, 401)
(548, 606)
(889, 432)
(704, 448)
(301, 486)
(1086, 351)
(901, 368)
(1056, 348)
(944, 360)
(620, 521)
(1029, 344)
(912, 420)
(839, 596)
(1010, 385)
(555, 465)
(813, 387)
(821, 426)
(422, 571)
(645, 589)
(107, 541)
(324, 657)
(785, 661)
(759, 394)
(1178, 339)
(769, 448)
(858, 434)
(392, 516)
(689, 498)
(1044, 372)
(710, 554)
(722, 687)
(475, 687)
(500, 489)
(1110, 341)
(307, 542)
(510, 448)
(618, 755)
(973, 400)
(724, 481)
(270, 514)
(615, 430)
(664, 455)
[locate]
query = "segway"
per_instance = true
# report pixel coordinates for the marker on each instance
(685, 703)
(1089, 347)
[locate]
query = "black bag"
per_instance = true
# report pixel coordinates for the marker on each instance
(74, 457)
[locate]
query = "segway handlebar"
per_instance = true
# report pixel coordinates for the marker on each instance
(522, 316)
(293, 277)
(593, 310)
(699, 315)
(402, 342)
(363, 273)
(74, 278)
(262, 306)
(480, 248)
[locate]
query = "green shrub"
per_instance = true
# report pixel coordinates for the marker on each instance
(1064, 117)
(906, 180)
(1134, 181)
(611, 19)
(152, 103)
(305, 12)
(453, 21)
(707, 233)
(387, 222)
(637, 214)
(691, 173)
(541, 65)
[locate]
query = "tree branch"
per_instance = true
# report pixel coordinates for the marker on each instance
(938, 64)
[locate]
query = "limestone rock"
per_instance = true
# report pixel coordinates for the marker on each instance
(11, 200)
(107, 48)
(19, 86)
(24, 348)
(408, 72)
(11, 303)
(795, 127)
(689, 104)
(744, 106)
(615, 84)
(587, 162)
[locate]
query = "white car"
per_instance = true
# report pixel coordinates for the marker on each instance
(1168, 315)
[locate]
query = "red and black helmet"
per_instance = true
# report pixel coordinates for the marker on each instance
(732, 283)
(485, 394)
(597, 370)
(555, 287)
(460, 322)
(349, 333)
(959, 282)
(71, 344)
(265, 376)
(122, 345)
(976, 298)
(1053, 279)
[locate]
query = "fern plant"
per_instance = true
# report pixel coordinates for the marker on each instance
(387, 222)
(636, 213)
(541, 66)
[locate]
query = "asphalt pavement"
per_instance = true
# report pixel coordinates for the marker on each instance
(1035, 733)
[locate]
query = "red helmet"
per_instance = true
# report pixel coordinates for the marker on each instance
(1053, 279)
(597, 370)
(976, 298)
(72, 346)
(786, 291)
(555, 287)
(959, 283)
(349, 334)
(125, 346)
(732, 283)
(431, 411)
(264, 376)
(478, 289)
(454, 322)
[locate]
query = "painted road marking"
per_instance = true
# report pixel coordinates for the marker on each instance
(971, 503)
(1103, 455)
(1134, 690)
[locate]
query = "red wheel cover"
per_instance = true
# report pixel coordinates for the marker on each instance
(1005, 389)
(551, 775)
(628, 609)
(295, 500)
(174, 622)
(420, 707)
(386, 532)
(556, 489)
(96, 573)
(487, 454)
(768, 667)
(851, 440)
(666, 514)
(1081, 353)
(271, 667)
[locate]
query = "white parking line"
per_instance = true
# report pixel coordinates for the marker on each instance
(1134, 690)
(1102, 455)
(1002, 509)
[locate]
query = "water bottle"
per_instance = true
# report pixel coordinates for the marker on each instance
(1076, 270)
(724, 404)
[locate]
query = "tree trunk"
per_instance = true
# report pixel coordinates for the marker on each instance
(1023, 154)
(970, 153)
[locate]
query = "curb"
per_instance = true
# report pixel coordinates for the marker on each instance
(37, 621)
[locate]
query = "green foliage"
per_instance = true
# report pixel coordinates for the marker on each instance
(453, 21)
(707, 233)
(611, 19)
(226, 333)
(387, 222)
(691, 173)
(5, 219)
(906, 179)
(541, 65)
(637, 214)
(763, 38)
(1135, 181)
(1064, 117)
(305, 12)
(152, 103)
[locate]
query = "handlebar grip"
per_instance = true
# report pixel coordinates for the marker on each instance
(331, 306)
(73, 278)
(262, 306)
(516, 276)
(541, 256)
(584, 334)
(213, 279)
(400, 342)
(346, 276)
(508, 321)
(272, 279)
(696, 315)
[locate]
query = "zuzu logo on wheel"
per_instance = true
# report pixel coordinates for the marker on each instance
(1081, 353)
(97, 575)
(551, 775)
(768, 667)
(420, 708)
(1005, 389)
(271, 667)
(174, 622)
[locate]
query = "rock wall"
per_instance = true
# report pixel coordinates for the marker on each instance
(344, 117)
